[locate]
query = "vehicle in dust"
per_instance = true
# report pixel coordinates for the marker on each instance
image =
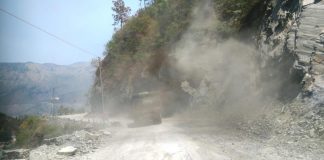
(146, 109)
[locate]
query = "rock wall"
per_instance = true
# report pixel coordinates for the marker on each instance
(292, 36)
(305, 40)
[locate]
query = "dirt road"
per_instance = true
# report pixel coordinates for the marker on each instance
(176, 140)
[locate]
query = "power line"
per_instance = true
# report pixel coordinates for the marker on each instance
(48, 33)
(64, 41)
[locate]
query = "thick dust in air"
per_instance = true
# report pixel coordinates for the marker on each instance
(198, 92)
(222, 74)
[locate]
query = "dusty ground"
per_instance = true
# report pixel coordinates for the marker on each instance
(184, 140)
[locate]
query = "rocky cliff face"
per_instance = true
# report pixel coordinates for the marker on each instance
(305, 40)
(205, 56)
(292, 37)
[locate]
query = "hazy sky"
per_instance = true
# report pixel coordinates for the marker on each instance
(85, 23)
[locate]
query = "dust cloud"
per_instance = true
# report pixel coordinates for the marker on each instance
(221, 75)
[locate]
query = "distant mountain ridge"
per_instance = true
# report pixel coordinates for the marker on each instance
(26, 88)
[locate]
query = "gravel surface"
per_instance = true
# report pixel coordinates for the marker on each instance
(180, 139)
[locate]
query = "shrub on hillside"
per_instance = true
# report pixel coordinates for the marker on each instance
(33, 130)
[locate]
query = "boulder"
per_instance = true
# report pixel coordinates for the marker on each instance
(107, 133)
(69, 150)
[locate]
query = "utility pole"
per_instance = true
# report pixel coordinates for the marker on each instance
(52, 102)
(101, 85)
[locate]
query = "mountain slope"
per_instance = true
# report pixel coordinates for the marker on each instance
(231, 56)
(142, 56)
(26, 88)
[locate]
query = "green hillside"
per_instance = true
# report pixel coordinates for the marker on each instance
(139, 56)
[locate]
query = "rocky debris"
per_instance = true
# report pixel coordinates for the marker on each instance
(298, 121)
(261, 127)
(78, 143)
(69, 150)
(15, 154)
(106, 133)
(310, 122)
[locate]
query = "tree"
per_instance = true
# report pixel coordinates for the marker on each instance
(121, 12)
(145, 2)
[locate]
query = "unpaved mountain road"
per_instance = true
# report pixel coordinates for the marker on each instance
(178, 140)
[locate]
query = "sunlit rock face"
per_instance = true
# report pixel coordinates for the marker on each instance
(292, 36)
(306, 43)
